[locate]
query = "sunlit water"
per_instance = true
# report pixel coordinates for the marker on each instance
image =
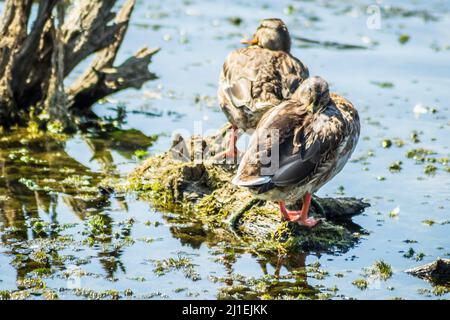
(386, 82)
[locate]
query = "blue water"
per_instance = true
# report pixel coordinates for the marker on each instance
(195, 37)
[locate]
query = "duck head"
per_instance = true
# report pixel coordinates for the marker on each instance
(313, 93)
(271, 34)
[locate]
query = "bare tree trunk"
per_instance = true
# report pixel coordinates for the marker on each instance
(33, 64)
(13, 31)
(56, 103)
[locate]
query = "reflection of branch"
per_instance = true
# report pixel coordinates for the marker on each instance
(101, 154)
(124, 141)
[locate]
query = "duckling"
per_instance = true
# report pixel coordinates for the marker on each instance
(299, 146)
(258, 77)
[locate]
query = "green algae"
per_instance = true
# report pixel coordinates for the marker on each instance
(162, 267)
(269, 211)
(404, 38)
(267, 287)
(428, 222)
(360, 283)
(386, 143)
(381, 269)
(384, 85)
(410, 253)
(396, 166)
(430, 169)
(420, 155)
(236, 21)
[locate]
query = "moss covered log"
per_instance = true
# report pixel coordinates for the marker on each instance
(202, 192)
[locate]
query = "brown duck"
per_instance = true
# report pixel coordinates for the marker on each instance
(299, 146)
(258, 77)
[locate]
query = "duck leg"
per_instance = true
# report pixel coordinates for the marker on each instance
(304, 220)
(231, 152)
(301, 217)
(289, 215)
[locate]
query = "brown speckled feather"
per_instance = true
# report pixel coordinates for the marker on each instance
(313, 148)
(254, 79)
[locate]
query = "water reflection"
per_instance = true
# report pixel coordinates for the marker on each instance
(38, 175)
(283, 275)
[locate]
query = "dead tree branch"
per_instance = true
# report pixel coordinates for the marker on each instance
(102, 78)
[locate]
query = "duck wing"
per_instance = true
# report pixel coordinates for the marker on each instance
(255, 78)
(305, 142)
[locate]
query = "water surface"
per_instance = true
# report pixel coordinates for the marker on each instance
(51, 210)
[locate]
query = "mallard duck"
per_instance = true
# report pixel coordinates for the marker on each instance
(299, 146)
(258, 77)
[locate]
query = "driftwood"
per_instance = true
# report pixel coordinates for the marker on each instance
(201, 191)
(33, 64)
(436, 272)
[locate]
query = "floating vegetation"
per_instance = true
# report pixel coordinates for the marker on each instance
(384, 85)
(415, 137)
(236, 21)
(267, 287)
(290, 9)
(329, 44)
(430, 169)
(394, 212)
(420, 154)
(360, 283)
(380, 269)
(184, 264)
(411, 254)
(428, 222)
(397, 11)
(404, 38)
(140, 154)
(436, 272)
(396, 166)
(386, 143)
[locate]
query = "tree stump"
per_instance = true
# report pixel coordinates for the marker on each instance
(33, 64)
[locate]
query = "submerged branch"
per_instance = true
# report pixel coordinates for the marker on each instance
(436, 272)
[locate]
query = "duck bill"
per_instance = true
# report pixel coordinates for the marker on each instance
(252, 42)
